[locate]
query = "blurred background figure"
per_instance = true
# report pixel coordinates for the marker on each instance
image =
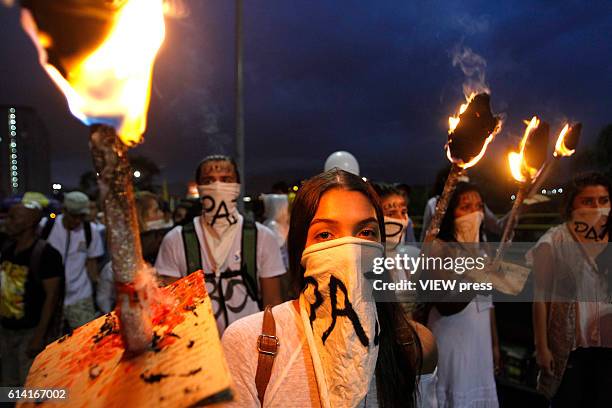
(31, 291)
(153, 227)
(276, 217)
(75, 239)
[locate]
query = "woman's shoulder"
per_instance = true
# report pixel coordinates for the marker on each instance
(250, 326)
(555, 234)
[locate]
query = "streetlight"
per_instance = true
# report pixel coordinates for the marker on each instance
(137, 173)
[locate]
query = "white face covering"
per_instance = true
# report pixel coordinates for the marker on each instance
(394, 230)
(589, 224)
(339, 318)
(467, 227)
(157, 224)
(219, 204)
(220, 218)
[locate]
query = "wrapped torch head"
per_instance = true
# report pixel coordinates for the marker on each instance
(475, 126)
(536, 147)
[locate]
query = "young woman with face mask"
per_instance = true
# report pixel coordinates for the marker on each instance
(337, 347)
(464, 329)
(572, 312)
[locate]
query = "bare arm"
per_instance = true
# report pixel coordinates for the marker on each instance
(270, 291)
(92, 269)
(52, 289)
(542, 265)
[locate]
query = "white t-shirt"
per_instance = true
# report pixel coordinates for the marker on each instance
(171, 261)
(72, 245)
(292, 381)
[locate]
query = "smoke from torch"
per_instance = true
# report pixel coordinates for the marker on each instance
(100, 54)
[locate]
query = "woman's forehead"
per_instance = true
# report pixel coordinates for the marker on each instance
(469, 197)
(339, 204)
(593, 191)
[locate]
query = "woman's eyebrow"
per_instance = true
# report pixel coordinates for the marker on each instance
(323, 220)
(367, 221)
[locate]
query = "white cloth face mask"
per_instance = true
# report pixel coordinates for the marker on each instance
(339, 317)
(394, 231)
(158, 224)
(590, 224)
(467, 227)
(219, 204)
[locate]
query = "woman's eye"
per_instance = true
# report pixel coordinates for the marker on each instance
(325, 235)
(369, 233)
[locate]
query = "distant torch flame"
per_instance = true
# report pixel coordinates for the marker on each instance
(111, 85)
(519, 168)
(453, 122)
(561, 150)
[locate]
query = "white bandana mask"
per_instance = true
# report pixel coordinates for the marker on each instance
(590, 224)
(339, 318)
(467, 227)
(394, 231)
(158, 224)
(219, 204)
(220, 219)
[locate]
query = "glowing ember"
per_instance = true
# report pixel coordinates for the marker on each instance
(471, 131)
(100, 54)
(567, 140)
(526, 164)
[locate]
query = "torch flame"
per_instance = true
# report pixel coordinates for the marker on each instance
(453, 122)
(519, 168)
(112, 84)
(560, 148)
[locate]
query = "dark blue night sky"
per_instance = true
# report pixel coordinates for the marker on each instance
(372, 77)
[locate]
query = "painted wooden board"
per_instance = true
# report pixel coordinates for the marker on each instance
(184, 367)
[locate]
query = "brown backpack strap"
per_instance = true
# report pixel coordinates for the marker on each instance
(267, 346)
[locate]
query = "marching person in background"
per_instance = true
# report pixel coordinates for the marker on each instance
(31, 288)
(153, 228)
(405, 190)
(491, 223)
(240, 258)
(572, 314)
(464, 323)
(276, 214)
(335, 350)
(80, 247)
(395, 210)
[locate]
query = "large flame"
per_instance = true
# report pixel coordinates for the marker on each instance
(519, 168)
(112, 84)
(453, 122)
(561, 150)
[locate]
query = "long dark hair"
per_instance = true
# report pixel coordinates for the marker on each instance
(447, 227)
(395, 374)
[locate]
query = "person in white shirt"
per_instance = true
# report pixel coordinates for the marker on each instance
(80, 246)
(336, 347)
(240, 258)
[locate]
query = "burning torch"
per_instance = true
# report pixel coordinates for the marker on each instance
(565, 146)
(100, 54)
(525, 166)
(470, 133)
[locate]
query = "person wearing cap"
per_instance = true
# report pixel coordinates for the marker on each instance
(72, 236)
(32, 274)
